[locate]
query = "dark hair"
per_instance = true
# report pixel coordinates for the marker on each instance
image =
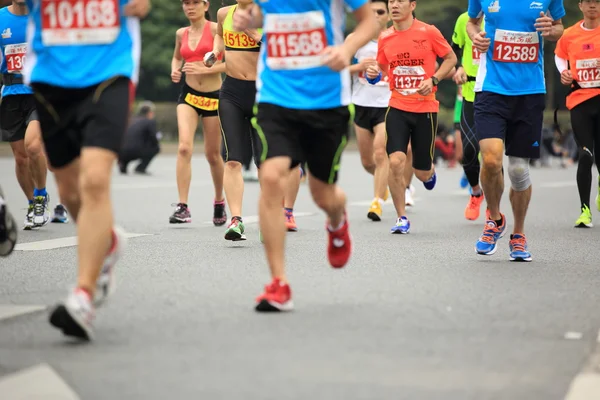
(207, 15)
(382, 1)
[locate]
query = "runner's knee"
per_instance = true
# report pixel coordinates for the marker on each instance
(397, 161)
(518, 172)
(586, 158)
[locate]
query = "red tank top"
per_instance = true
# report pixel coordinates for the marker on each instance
(204, 46)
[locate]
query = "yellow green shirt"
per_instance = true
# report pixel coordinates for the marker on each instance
(470, 56)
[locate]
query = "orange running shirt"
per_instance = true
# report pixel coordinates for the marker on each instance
(409, 57)
(581, 47)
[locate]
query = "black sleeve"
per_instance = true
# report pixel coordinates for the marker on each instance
(150, 131)
(459, 52)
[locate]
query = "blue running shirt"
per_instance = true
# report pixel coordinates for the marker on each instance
(514, 63)
(81, 43)
(14, 49)
(290, 69)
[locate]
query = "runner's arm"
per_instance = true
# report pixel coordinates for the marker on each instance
(556, 32)
(473, 27)
(364, 31)
(218, 43)
(177, 60)
(458, 50)
(561, 64)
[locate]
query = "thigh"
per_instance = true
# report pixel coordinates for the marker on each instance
(12, 118)
(234, 129)
(279, 133)
(324, 137)
(584, 126)
(491, 115)
(423, 140)
(397, 128)
(211, 130)
(364, 140)
(104, 115)
(524, 132)
(57, 112)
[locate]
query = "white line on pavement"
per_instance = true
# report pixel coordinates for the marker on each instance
(37, 382)
(59, 243)
(12, 310)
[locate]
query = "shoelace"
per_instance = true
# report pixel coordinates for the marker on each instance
(488, 234)
(518, 244)
(473, 202)
(39, 206)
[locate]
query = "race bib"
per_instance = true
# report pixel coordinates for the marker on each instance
(516, 47)
(475, 54)
(80, 22)
(15, 57)
(295, 41)
(588, 73)
(202, 103)
(237, 40)
(406, 80)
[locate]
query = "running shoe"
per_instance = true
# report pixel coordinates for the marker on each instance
(430, 184)
(75, 316)
(276, 297)
(219, 213)
(8, 230)
(518, 248)
(28, 224)
(41, 210)
(585, 219)
(60, 215)
(339, 248)
(473, 208)
(402, 226)
(235, 230)
(488, 241)
(181, 215)
(106, 283)
(290, 221)
(375, 211)
(464, 182)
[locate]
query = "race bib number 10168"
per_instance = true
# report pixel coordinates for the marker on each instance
(516, 47)
(295, 41)
(80, 22)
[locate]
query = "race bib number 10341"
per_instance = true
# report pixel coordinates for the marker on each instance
(80, 22)
(295, 41)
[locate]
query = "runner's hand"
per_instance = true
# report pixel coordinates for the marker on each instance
(253, 33)
(372, 71)
(336, 57)
(242, 19)
(195, 68)
(366, 63)
(460, 77)
(425, 87)
(481, 43)
(566, 78)
(137, 8)
(544, 24)
(176, 76)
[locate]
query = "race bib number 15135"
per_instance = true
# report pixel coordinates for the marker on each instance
(80, 22)
(295, 41)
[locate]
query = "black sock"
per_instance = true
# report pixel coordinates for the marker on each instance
(236, 217)
(499, 221)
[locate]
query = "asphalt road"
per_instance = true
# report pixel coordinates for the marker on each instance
(416, 316)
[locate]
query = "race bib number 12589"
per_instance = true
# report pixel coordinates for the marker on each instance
(80, 22)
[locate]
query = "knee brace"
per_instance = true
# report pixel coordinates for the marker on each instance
(518, 172)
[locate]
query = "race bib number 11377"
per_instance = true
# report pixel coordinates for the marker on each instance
(295, 41)
(80, 22)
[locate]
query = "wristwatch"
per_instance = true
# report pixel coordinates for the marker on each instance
(435, 80)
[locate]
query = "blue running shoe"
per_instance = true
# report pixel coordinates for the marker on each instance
(487, 243)
(518, 248)
(402, 226)
(464, 182)
(60, 216)
(430, 184)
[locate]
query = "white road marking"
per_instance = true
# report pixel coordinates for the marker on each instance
(37, 382)
(59, 243)
(253, 219)
(573, 335)
(12, 310)
(585, 386)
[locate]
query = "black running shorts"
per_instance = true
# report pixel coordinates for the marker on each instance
(94, 116)
(315, 136)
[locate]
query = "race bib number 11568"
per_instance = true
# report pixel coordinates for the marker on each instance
(80, 22)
